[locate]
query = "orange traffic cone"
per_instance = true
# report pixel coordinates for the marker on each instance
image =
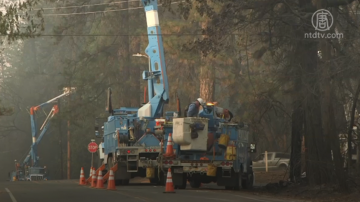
(90, 173)
(82, 177)
(111, 181)
(100, 182)
(169, 183)
(90, 176)
(93, 180)
(169, 147)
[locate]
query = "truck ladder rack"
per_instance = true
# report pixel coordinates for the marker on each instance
(106, 176)
(102, 167)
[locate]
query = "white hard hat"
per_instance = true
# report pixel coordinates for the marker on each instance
(201, 101)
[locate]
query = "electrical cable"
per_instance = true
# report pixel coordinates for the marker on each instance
(97, 12)
(88, 5)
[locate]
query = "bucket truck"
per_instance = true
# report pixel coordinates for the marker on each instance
(129, 139)
(30, 169)
(134, 140)
(209, 149)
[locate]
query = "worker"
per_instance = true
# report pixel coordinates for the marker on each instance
(223, 113)
(193, 108)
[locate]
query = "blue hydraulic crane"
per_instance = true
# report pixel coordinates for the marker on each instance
(28, 170)
(158, 86)
(129, 139)
(44, 127)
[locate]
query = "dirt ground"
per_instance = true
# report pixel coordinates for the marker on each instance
(263, 178)
(275, 183)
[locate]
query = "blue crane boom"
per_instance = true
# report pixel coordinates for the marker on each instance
(45, 126)
(130, 138)
(158, 86)
(43, 129)
(33, 171)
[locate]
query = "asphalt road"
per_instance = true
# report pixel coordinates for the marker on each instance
(70, 191)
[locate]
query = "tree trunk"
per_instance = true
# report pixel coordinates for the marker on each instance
(316, 149)
(351, 124)
(124, 59)
(207, 76)
(296, 137)
(328, 116)
(135, 73)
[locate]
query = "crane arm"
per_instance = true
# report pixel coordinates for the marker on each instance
(158, 86)
(33, 151)
(67, 91)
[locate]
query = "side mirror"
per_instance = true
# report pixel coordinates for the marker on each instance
(252, 148)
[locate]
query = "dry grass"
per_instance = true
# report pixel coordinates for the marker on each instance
(263, 178)
(326, 193)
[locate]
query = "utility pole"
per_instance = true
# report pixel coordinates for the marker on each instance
(60, 143)
(68, 142)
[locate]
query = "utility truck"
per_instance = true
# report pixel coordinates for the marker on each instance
(135, 139)
(29, 169)
(131, 146)
(208, 149)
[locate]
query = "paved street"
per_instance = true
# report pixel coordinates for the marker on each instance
(70, 191)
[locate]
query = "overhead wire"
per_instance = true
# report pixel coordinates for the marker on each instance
(94, 12)
(88, 5)
(97, 12)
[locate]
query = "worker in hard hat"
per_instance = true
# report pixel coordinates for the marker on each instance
(193, 108)
(223, 113)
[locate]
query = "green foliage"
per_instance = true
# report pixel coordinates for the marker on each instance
(6, 111)
(11, 22)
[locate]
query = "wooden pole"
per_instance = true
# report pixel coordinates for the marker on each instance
(266, 161)
(61, 144)
(68, 151)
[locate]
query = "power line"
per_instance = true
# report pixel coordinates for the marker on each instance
(96, 12)
(113, 35)
(88, 5)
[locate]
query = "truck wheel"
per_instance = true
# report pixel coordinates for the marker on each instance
(125, 182)
(282, 167)
(154, 180)
(163, 178)
(184, 182)
(110, 163)
(195, 183)
(249, 182)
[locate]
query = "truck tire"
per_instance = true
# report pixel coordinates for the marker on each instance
(156, 180)
(249, 182)
(195, 183)
(110, 163)
(184, 182)
(125, 182)
(282, 167)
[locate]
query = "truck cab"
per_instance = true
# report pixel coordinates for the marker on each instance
(36, 174)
